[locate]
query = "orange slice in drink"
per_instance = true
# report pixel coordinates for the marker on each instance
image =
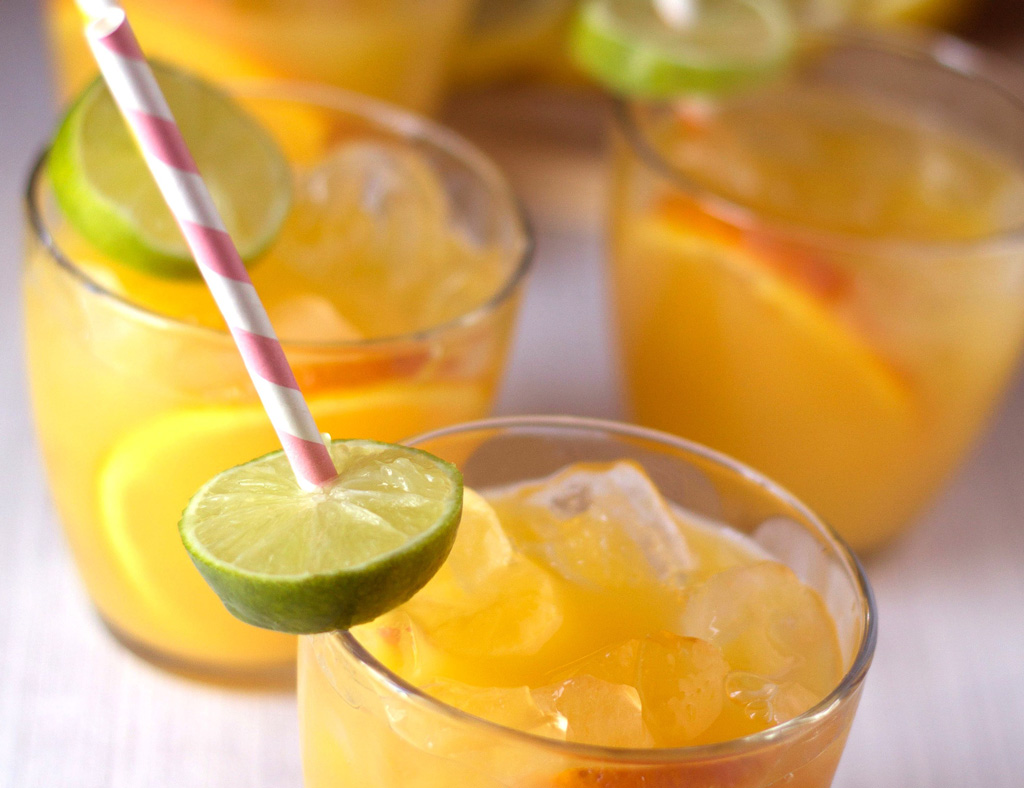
(783, 302)
(150, 475)
(749, 354)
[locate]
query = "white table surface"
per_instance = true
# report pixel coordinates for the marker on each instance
(944, 704)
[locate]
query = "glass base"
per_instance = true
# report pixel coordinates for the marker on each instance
(272, 676)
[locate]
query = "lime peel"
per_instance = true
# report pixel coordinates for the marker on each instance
(107, 193)
(633, 49)
(284, 559)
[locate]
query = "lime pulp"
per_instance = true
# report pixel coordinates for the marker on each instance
(668, 48)
(283, 558)
(106, 192)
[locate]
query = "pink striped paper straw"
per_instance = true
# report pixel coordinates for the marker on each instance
(143, 105)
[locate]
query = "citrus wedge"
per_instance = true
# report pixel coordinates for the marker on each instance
(792, 335)
(742, 354)
(666, 48)
(292, 560)
(108, 195)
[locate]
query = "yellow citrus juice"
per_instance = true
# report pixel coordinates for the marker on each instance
(393, 310)
(584, 609)
(816, 282)
(505, 41)
(396, 50)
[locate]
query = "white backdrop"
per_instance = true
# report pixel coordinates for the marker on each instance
(944, 705)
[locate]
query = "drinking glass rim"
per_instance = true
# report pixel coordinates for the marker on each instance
(407, 126)
(943, 52)
(852, 678)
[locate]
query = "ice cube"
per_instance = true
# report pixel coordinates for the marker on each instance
(451, 752)
(680, 682)
(386, 194)
(619, 664)
(767, 623)
(513, 707)
(398, 642)
(765, 702)
(370, 221)
(516, 616)
(792, 699)
(598, 712)
(307, 317)
(682, 686)
(481, 547)
(486, 599)
(472, 275)
(718, 546)
(753, 694)
(603, 526)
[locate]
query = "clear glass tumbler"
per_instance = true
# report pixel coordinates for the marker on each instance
(823, 276)
(135, 410)
(396, 50)
(363, 725)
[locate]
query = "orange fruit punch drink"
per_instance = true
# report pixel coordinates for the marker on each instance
(396, 50)
(822, 274)
(389, 253)
(620, 608)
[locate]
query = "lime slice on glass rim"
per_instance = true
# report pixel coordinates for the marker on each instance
(284, 558)
(667, 48)
(106, 192)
